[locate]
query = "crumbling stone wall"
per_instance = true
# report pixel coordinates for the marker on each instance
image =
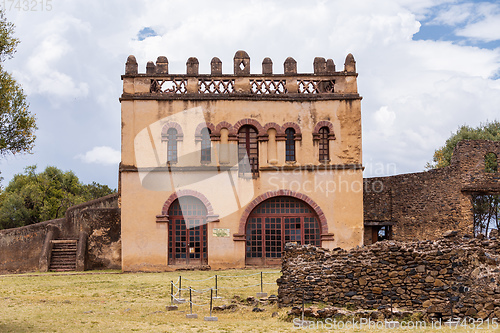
(427, 276)
(104, 238)
(21, 248)
(423, 205)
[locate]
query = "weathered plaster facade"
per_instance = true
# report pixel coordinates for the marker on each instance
(267, 133)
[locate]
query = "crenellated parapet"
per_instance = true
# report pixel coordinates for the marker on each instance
(324, 83)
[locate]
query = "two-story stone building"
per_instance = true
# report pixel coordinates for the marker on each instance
(224, 169)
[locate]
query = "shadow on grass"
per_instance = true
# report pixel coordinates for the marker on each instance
(16, 327)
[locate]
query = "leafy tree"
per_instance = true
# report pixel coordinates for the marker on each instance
(486, 206)
(33, 197)
(486, 131)
(17, 124)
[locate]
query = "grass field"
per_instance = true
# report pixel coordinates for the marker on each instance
(115, 302)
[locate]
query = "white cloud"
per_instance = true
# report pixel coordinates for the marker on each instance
(45, 72)
(481, 20)
(384, 118)
(101, 155)
(415, 93)
(486, 30)
(455, 14)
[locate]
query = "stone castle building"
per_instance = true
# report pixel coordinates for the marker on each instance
(224, 169)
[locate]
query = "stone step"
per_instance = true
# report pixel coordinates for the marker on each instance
(63, 258)
(70, 260)
(64, 241)
(64, 246)
(62, 267)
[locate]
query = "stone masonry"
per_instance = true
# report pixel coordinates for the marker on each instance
(427, 276)
(423, 205)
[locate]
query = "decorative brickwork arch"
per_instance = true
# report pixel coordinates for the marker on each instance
(169, 125)
(277, 127)
(296, 127)
(276, 221)
(224, 124)
(255, 202)
(252, 122)
(201, 126)
(319, 125)
(211, 217)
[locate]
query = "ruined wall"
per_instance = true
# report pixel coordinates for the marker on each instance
(104, 238)
(422, 276)
(21, 248)
(76, 221)
(423, 205)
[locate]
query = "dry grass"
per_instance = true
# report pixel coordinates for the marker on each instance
(134, 303)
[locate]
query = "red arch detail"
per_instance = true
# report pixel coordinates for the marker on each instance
(248, 121)
(169, 125)
(292, 125)
(221, 125)
(271, 194)
(275, 126)
(323, 123)
(182, 193)
(201, 126)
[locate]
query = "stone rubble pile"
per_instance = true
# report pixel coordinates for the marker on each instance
(459, 274)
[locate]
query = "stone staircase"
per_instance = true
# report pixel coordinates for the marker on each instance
(63, 256)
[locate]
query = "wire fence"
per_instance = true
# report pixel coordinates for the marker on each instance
(203, 297)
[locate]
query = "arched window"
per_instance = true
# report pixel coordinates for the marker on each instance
(324, 150)
(206, 146)
(248, 146)
(490, 163)
(290, 144)
(172, 145)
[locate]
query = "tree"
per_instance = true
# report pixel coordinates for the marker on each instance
(485, 131)
(17, 124)
(486, 206)
(33, 197)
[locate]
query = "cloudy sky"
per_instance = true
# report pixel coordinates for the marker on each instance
(425, 67)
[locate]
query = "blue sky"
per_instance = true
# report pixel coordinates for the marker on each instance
(425, 67)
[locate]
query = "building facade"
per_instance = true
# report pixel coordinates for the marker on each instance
(224, 169)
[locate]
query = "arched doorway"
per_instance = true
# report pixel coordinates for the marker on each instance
(275, 222)
(187, 232)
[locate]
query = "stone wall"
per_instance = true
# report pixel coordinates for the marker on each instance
(424, 276)
(21, 248)
(104, 241)
(423, 205)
